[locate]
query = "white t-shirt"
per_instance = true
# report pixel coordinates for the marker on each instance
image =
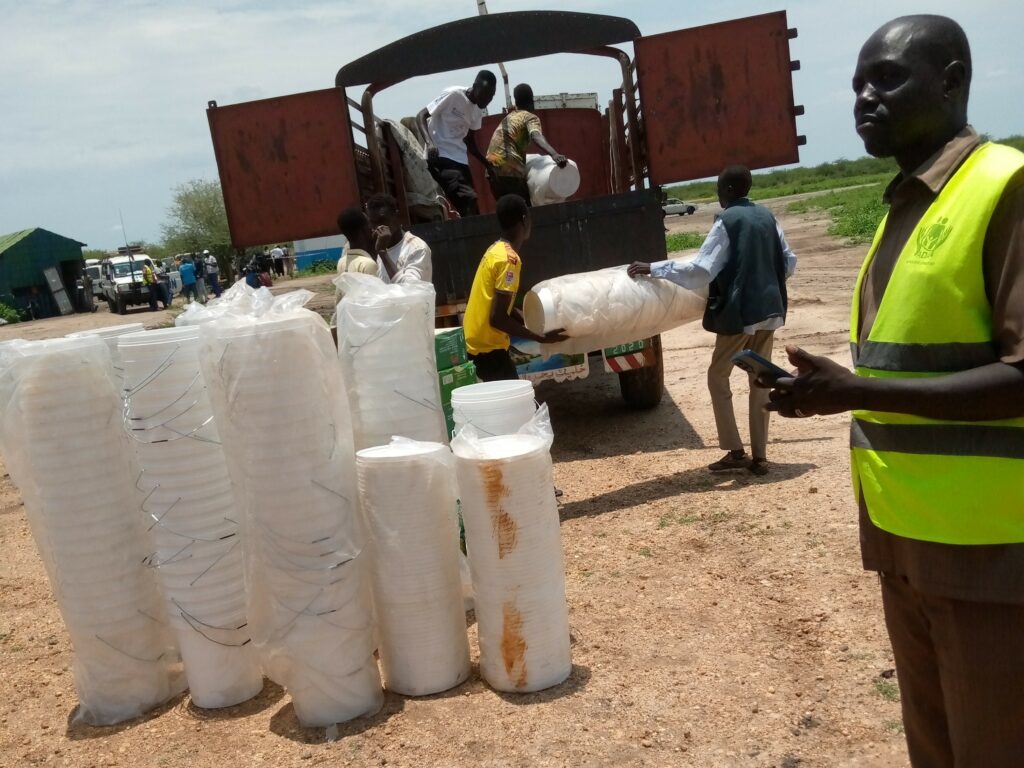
(452, 116)
(411, 257)
(277, 253)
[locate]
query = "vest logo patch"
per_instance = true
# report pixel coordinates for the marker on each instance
(930, 238)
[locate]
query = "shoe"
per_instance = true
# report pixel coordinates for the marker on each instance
(558, 493)
(731, 460)
(758, 466)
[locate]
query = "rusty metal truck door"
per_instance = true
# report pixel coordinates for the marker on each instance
(287, 165)
(718, 95)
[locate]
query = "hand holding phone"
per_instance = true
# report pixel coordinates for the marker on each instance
(759, 367)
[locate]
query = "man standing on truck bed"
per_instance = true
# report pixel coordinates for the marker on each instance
(745, 261)
(449, 124)
(401, 256)
(491, 316)
(507, 150)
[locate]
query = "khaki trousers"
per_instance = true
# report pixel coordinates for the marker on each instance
(721, 394)
(960, 666)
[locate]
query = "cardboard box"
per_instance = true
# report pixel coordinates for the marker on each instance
(449, 421)
(449, 347)
(453, 378)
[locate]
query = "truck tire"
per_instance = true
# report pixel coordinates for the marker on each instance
(121, 308)
(642, 388)
(111, 306)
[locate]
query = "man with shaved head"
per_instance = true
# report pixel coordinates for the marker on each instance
(937, 436)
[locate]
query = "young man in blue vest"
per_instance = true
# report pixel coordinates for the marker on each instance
(937, 436)
(744, 262)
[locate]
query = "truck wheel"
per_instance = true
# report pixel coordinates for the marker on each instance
(111, 306)
(643, 387)
(121, 308)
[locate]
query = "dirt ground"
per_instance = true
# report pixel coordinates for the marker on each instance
(717, 620)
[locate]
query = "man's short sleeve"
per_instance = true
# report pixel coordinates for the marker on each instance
(505, 271)
(440, 102)
(532, 125)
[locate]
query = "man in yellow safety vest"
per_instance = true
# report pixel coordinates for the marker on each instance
(937, 435)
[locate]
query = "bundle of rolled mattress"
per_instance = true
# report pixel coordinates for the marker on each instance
(608, 307)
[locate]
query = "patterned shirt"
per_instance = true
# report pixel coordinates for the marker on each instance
(507, 151)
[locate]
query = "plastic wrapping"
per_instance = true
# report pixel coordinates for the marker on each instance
(548, 183)
(190, 511)
(515, 556)
(275, 385)
(242, 300)
(386, 346)
(65, 449)
(494, 407)
(407, 491)
(608, 307)
(110, 335)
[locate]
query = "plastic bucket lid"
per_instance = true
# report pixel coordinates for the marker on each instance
(398, 451)
(507, 447)
(109, 331)
(159, 336)
(490, 391)
(563, 182)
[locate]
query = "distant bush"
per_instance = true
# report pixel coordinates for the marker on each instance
(683, 241)
(320, 267)
(9, 314)
(855, 213)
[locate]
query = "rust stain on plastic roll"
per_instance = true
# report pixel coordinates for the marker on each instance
(513, 646)
(505, 529)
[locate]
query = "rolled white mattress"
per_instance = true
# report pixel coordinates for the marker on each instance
(608, 307)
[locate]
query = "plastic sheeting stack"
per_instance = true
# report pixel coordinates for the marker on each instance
(608, 307)
(386, 346)
(63, 443)
(190, 510)
(408, 497)
(110, 335)
(274, 383)
(515, 556)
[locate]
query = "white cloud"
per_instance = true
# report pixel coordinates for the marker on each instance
(106, 100)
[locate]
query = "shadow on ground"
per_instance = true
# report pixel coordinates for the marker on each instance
(695, 480)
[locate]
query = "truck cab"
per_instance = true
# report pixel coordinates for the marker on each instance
(685, 105)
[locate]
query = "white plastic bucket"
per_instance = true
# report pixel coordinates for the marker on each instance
(494, 407)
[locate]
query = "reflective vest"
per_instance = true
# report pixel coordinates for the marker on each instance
(954, 482)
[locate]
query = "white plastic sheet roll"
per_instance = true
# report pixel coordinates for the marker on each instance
(608, 307)
(547, 182)
(515, 557)
(64, 446)
(407, 490)
(276, 389)
(190, 510)
(386, 346)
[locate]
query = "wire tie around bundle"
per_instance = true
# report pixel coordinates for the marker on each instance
(113, 647)
(425, 403)
(152, 376)
(189, 619)
(211, 565)
(331, 490)
(173, 402)
(150, 561)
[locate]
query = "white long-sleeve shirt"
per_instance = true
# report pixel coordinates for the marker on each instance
(411, 256)
(714, 254)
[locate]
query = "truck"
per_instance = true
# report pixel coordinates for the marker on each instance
(121, 284)
(686, 104)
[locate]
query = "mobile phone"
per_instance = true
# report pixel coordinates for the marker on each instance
(757, 366)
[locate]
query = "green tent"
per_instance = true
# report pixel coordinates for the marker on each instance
(23, 257)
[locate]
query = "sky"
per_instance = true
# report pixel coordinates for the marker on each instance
(105, 102)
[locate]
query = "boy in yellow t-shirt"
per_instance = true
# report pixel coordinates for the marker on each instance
(491, 316)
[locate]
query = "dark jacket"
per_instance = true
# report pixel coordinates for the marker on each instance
(751, 288)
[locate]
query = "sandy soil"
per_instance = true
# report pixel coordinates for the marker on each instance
(717, 620)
